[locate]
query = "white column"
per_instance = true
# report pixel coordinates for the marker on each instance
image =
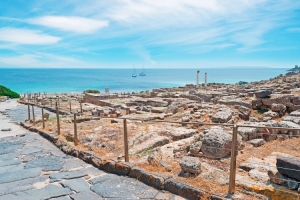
(197, 79)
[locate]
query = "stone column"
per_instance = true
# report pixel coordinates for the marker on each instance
(205, 79)
(197, 79)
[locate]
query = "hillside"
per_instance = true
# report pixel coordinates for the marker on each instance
(4, 91)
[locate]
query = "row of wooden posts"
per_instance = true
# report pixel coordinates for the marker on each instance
(234, 151)
(57, 104)
(76, 141)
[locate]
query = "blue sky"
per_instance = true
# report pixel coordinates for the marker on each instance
(153, 33)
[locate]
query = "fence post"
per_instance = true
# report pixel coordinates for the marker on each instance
(125, 141)
(33, 118)
(70, 106)
(75, 131)
(57, 118)
(28, 112)
(233, 161)
(81, 108)
(43, 120)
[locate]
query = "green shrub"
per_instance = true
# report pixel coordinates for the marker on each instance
(259, 111)
(91, 91)
(4, 91)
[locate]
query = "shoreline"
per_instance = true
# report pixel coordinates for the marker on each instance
(121, 81)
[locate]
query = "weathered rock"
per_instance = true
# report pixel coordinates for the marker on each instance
(215, 174)
(253, 119)
(276, 177)
(178, 133)
(294, 119)
(262, 93)
(185, 119)
(244, 113)
(148, 178)
(190, 164)
(247, 133)
(172, 109)
(288, 124)
(217, 143)
(292, 184)
(258, 175)
(277, 99)
(222, 116)
(183, 189)
(123, 168)
(158, 109)
(278, 107)
(166, 165)
(295, 113)
(155, 157)
(271, 114)
(289, 166)
(195, 147)
(149, 144)
(257, 142)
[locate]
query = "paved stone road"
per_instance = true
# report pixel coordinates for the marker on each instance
(32, 168)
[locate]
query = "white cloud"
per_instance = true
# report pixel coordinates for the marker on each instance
(26, 36)
(73, 24)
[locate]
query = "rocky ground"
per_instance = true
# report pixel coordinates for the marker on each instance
(198, 154)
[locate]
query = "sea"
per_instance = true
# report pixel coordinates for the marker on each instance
(120, 80)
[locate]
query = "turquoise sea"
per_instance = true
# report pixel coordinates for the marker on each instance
(120, 80)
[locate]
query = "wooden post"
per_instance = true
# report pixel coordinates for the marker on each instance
(70, 106)
(57, 118)
(75, 131)
(33, 118)
(233, 161)
(28, 112)
(125, 141)
(81, 108)
(43, 120)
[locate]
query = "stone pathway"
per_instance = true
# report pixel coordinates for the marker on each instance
(32, 168)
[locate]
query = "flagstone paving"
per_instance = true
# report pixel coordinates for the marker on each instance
(33, 168)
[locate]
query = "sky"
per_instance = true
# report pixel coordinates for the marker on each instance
(149, 33)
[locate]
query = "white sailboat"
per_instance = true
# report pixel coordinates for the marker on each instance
(143, 73)
(134, 74)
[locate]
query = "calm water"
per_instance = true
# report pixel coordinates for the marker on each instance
(120, 80)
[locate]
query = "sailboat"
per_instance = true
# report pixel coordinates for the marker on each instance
(134, 74)
(143, 73)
